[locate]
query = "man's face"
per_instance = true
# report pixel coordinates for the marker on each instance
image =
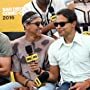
(63, 26)
(34, 28)
(46, 2)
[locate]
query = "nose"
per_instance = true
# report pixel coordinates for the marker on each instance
(40, 26)
(58, 26)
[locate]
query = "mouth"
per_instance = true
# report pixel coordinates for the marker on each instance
(38, 31)
(61, 30)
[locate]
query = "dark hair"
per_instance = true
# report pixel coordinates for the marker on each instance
(71, 16)
(27, 15)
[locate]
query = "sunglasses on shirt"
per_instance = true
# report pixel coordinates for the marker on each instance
(62, 24)
(36, 23)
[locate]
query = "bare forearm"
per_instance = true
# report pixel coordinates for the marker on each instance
(24, 81)
(4, 72)
(21, 79)
(71, 5)
(52, 78)
(5, 66)
(88, 82)
(54, 74)
(48, 27)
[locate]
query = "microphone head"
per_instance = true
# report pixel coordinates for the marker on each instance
(51, 9)
(29, 49)
(32, 57)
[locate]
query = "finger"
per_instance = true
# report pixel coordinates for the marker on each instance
(33, 65)
(73, 87)
(34, 88)
(36, 62)
(78, 89)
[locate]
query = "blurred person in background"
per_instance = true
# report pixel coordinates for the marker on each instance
(82, 10)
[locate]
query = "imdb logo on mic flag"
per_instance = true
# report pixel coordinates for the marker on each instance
(31, 58)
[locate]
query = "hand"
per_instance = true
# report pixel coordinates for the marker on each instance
(34, 66)
(80, 86)
(31, 85)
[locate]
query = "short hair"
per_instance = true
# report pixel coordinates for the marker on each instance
(27, 15)
(71, 16)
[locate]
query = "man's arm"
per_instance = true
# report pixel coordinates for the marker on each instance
(48, 27)
(5, 65)
(5, 55)
(24, 81)
(81, 85)
(54, 74)
(70, 4)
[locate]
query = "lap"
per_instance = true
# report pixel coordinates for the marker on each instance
(48, 86)
(10, 86)
(66, 86)
(17, 86)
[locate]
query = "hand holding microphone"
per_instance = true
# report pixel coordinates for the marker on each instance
(35, 67)
(32, 56)
(32, 59)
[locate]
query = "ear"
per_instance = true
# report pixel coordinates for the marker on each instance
(26, 26)
(74, 24)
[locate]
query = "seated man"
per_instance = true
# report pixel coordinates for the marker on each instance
(72, 60)
(26, 67)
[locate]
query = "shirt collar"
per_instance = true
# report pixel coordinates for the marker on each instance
(76, 39)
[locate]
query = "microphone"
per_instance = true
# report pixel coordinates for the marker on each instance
(32, 57)
(41, 79)
(29, 49)
(53, 17)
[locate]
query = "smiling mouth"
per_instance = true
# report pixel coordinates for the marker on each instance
(39, 31)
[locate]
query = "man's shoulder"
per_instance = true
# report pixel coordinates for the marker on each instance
(85, 38)
(3, 37)
(57, 43)
(18, 40)
(48, 37)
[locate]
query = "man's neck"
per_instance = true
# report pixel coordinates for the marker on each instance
(43, 7)
(32, 38)
(69, 38)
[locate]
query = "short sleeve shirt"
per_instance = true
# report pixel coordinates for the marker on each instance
(73, 59)
(19, 58)
(5, 46)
